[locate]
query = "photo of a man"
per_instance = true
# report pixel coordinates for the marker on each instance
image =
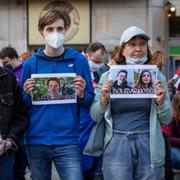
(121, 81)
(53, 85)
(54, 89)
(65, 88)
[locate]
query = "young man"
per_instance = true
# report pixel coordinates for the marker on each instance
(10, 59)
(121, 81)
(13, 121)
(53, 130)
(53, 89)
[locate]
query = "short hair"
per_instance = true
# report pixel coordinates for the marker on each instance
(53, 79)
(122, 71)
(49, 16)
(8, 52)
(94, 46)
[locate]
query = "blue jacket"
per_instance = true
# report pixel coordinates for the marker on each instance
(56, 124)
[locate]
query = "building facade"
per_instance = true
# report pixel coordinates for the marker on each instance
(107, 20)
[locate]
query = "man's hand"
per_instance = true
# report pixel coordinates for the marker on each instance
(4, 146)
(29, 86)
(80, 85)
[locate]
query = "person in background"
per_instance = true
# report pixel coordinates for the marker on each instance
(65, 88)
(53, 130)
(10, 59)
(95, 53)
(174, 82)
(105, 67)
(159, 59)
(25, 55)
(96, 168)
(132, 135)
(13, 123)
(175, 132)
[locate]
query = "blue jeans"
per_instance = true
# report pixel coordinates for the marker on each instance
(6, 166)
(65, 157)
(98, 174)
(127, 157)
(175, 154)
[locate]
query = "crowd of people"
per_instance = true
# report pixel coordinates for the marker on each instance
(98, 137)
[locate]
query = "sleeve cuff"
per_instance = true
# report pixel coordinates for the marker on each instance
(14, 145)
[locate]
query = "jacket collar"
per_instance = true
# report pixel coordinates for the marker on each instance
(3, 72)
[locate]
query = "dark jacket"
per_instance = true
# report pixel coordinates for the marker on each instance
(175, 133)
(13, 112)
(123, 86)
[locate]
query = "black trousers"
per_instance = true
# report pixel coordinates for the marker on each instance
(168, 163)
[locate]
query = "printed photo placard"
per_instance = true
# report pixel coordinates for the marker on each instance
(54, 89)
(133, 81)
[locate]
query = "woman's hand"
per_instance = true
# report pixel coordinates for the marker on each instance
(160, 92)
(29, 86)
(80, 85)
(106, 89)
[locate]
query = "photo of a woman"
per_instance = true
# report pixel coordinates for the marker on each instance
(145, 80)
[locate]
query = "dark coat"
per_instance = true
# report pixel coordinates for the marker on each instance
(175, 133)
(13, 112)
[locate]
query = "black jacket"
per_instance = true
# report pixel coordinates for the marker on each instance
(123, 86)
(13, 112)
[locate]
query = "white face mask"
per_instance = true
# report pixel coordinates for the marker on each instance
(93, 66)
(55, 39)
(130, 60)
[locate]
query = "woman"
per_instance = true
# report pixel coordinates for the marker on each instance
(145, 80)
(133, 146)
